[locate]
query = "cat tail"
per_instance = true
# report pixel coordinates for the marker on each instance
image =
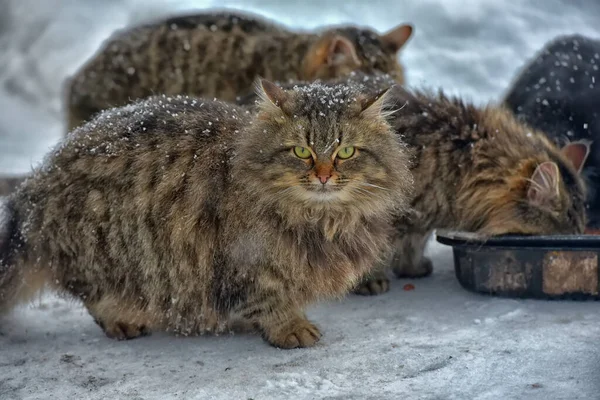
(18, 281)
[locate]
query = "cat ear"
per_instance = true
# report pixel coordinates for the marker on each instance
(397, 37)
(375, 106)
(577, 153)
(340, 51)
(544, 185)
(331, 50)
(269, 91)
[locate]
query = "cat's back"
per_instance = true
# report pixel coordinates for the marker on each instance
(177, 122)
(445, 132)
(226, 21)
(427, 118)
(155, 153)
(187, 54)
(558, 90)
(463, 151)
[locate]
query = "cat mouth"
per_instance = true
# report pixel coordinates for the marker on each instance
(324, 193)
(325, 196)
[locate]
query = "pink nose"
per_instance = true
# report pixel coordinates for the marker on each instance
(324, 178)
(323, 172)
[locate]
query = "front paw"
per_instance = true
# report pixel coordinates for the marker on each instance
(408, 270)
(123, 330)
(296, 333)
(373, 285)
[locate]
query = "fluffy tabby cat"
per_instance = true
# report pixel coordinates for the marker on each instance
(181, 214)
(480, 170)
(220, 55)
(476, 169)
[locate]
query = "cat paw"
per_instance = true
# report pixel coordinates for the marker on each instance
(373, 286)
(297, 333)
(421, 270)
(122, 330)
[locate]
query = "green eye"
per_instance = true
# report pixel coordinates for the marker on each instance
(346, 152)
(302, 152)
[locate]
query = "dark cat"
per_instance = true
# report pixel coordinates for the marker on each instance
(193, 55)
(558, 92)
(182, 214)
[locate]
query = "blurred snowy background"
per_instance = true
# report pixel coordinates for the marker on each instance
(437, 342)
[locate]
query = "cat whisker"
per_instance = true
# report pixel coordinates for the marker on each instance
(277, 196)
(365, 192)
(362, 191)
(389, 112)
(372, 185)
(285, 191)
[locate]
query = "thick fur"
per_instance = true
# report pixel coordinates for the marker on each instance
(11, 279)
(473, 169)
(558, 92)
(220, 55)
(182, 214)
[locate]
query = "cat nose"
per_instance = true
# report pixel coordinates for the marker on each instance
(324, 178)
(323, 173)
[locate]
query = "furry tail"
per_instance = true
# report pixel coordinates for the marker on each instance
(9, 184)
(18, 281)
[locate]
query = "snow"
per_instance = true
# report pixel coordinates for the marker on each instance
(435, 342)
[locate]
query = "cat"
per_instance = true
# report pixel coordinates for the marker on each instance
(558, 92)
(220, 55)
(476, 169)
(183, 214)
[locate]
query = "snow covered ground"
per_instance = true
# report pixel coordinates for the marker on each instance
(436, 342)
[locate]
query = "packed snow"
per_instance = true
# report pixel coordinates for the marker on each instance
(437, 341)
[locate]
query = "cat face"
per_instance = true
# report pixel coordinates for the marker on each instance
(325, 148)
(343, 50)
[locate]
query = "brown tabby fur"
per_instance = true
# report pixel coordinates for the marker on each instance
(220, 55)
(475, 170)
(181, 214)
